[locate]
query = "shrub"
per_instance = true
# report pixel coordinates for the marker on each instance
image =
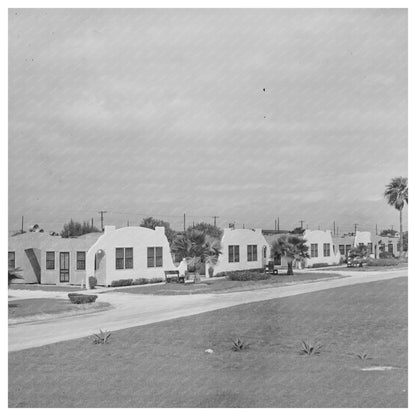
(220, 274)
(210, 271)
(140, 281)
(79, 298)
(92, 282)
(144, 281)
(314, 266)
(102, 337)
(310, 348)
(239, 345)
(383, 262)
(243, 276)
(386, 255)
(121, 282)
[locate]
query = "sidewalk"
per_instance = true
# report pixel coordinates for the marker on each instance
(132, 310)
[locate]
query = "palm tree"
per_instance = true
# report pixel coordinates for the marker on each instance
(197, 248)
(397, 194)
(292, 247)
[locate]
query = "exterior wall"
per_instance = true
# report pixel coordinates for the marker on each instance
(346, 240)
(70, 245)
(139, 238)
(30, 254)
(21, 245)
(378, 241)
(241, 238)
(321, 237)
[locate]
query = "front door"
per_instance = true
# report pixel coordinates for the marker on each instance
(64, 267)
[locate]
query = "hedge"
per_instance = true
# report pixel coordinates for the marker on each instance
(316, 265)
(135, 282)
(121, 282)
(79, 298)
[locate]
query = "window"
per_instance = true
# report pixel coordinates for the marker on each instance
(50, 260)
(314, 250)
(233, 254)
(154, 256)
(327, 249)
(80, 260)
(370, 248)
(390, 248)
(251, 253)
(382, 247)
(124, 258)
(341, 249)
(347, 248)
(12, 260)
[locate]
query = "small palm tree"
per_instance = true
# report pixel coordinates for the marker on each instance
(197, 248)
(292, 247)
(397, 194)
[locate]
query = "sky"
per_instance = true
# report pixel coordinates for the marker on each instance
(245, 114)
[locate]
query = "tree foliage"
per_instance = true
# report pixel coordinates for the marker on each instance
(208, 229)
(75, 229)
(197, 248)
(152, 223)
(292, 247)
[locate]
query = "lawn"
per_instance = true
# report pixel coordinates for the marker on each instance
(47, 288)
(225, 285)
(38, 308)
(164, 364)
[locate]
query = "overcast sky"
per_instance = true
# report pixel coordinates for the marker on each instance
(161, 112)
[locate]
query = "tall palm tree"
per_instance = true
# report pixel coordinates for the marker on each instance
(397, 194)
(292, 247)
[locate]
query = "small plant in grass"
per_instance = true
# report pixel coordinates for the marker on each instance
(79, 298)
(363, 356)
(102, 337)
(239, 345)
(310, 348)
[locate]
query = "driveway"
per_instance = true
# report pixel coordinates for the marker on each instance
(132, 310)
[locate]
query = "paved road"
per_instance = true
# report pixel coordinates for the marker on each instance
(134, 310)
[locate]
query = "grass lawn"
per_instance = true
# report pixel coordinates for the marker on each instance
(369, 268)
(44, 306)
(47, 288)
(164, 364)
(224, 285)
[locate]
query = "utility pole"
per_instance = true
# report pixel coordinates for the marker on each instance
(355, 228)
(244, 227)
(334, 227)
(184, 222)
(102, 219)
(278, 224)
(22, 224)
(337, 230)
(215, 220)
(275, 225)
(301, 223)
(376, 230)
(92, 222)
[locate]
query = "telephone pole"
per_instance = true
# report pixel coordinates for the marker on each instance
(184, 222)
(275, 225)
(215, 220)
(92, 222)
(376, 230)
(102, 219)
(334, 227)
(301, 223)
(355, 228)
(22, 223)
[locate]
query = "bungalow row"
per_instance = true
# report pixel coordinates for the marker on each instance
(137, 252)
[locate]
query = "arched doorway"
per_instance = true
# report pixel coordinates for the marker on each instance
(100, 267)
